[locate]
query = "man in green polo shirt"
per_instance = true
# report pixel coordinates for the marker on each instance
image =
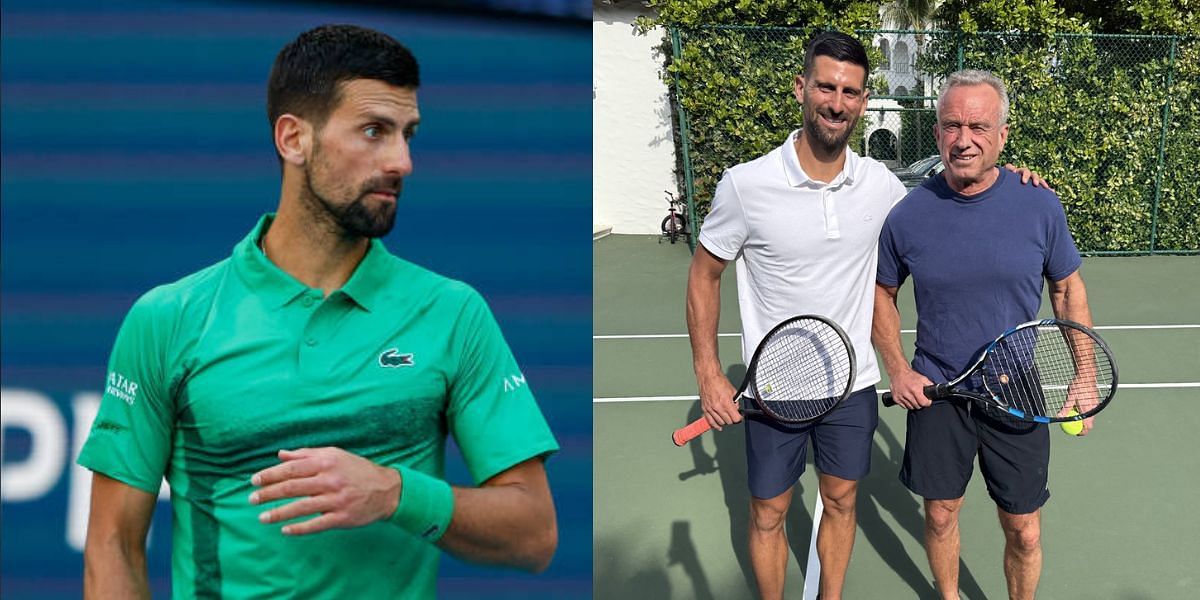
(297, 395)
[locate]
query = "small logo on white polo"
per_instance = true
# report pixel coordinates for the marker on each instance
(393, 358)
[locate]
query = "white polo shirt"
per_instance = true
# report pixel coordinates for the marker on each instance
(802, 246)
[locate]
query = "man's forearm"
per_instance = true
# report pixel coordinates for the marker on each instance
(510, 524)
(1068, 299)
(114, 556)
(509, 520)
(703, 319)
(885, 332)
(111, 570)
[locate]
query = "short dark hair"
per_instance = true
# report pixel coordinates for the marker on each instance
(840, 47)
(306, 75)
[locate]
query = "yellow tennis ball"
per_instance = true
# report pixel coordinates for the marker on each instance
(1072, 427)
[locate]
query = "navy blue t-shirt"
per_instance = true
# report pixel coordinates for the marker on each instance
(978, 264)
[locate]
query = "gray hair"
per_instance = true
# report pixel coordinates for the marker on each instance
(976, 77)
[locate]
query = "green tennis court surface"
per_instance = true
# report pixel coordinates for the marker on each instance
(671, 522)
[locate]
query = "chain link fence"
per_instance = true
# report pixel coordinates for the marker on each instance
(1112, 121)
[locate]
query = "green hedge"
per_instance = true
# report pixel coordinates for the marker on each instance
(1087, 110)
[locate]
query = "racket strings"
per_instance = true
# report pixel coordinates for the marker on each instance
(1046, 371)
(802, 371)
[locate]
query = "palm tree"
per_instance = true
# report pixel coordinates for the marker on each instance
(918, 15)
(912, 14)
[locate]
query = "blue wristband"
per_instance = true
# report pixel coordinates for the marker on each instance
(426, 504)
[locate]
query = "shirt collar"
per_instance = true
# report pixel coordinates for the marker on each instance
(364, 287)
(796, 176)
(261, 275)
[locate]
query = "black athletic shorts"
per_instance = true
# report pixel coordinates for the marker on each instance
(943, 440)
(775, 452)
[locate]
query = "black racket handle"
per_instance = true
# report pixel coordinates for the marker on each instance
(933, 392)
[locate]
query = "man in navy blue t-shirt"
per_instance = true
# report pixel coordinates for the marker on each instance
(978, 246)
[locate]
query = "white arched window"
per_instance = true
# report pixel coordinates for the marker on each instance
(901, 55)
(887, 55)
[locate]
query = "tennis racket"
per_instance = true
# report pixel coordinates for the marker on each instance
(1038, 371)
(801, 369)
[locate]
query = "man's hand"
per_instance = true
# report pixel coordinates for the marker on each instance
(1082, 396)
(1027, 175)
(716, 398)
(344, 490)
(908, 389)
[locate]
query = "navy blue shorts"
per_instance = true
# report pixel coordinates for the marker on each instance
(943, 440)
(775, 452)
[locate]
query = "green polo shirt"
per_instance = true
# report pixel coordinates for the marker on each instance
(212, 375)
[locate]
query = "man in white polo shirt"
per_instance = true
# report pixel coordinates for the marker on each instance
(802, 223)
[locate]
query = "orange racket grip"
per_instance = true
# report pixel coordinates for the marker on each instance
(690, 432)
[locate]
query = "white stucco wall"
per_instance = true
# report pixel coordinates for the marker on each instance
(633, 153)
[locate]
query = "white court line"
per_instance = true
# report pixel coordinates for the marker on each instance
(645, 398)
(813, 571)
(1120, 386)
(1147, 327)
(656, 336)
(1193, 384)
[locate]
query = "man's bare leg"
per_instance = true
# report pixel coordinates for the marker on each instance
(1022, 553)
(768, 543)
(942, 544)
(835, 533)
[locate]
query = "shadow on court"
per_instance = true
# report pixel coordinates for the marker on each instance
(618, 575)
(1137, 554)
(882, 491)
(682, 551)
(729, 462)
(879, 491)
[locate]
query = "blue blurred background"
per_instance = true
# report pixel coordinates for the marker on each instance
(135, 149)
